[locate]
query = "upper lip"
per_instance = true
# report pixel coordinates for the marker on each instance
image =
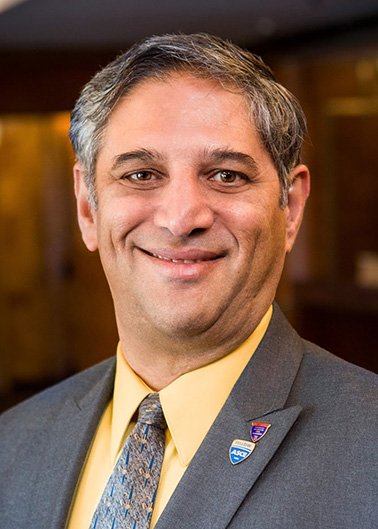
(192, 254)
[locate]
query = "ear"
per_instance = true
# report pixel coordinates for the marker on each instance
(298, 194)
(86, 215)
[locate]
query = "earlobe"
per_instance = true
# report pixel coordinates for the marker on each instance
(298, 194)
(85, 214)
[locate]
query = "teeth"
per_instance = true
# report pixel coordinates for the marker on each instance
(178, 260)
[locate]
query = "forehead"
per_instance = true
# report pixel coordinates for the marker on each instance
(183, 78)
(185, 88)
(180, 113)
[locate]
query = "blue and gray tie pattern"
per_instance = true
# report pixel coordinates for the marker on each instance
(128, 499)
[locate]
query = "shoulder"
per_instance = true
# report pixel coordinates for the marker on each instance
(330, 376)
(339, 409)
(320, 371)
(42, 408)
(323, 381)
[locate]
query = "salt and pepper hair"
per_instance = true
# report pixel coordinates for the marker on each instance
(275, 112)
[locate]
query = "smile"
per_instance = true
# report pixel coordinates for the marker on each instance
(184, 261)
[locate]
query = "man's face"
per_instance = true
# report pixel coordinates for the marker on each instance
(188, 224)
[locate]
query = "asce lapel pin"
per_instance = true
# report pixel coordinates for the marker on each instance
(240, 450)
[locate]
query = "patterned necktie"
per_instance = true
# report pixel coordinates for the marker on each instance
(128, 498)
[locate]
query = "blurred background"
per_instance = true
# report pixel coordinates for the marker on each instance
(56, 314)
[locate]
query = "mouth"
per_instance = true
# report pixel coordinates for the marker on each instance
(185, 259)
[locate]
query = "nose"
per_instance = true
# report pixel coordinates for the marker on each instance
(184, 207)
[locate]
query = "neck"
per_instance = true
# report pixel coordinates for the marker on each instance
(170, 357)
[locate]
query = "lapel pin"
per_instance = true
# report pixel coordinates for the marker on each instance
(258, 430)
(240, 450)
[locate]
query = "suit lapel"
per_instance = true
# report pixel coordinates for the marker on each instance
(70, 437)
(212, 489)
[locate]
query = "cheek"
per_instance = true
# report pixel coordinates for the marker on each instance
(273, 243)
(248, 221)
(261, 234)
(117, 217)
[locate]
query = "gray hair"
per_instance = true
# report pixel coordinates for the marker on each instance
(276, 113)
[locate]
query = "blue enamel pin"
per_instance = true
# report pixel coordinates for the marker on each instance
(240, 450)
(258, 430)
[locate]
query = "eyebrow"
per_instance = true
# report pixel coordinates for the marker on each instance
(212, 155)
(224, 155)
(139, 154)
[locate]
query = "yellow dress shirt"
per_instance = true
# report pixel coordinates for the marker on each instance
(190, 404)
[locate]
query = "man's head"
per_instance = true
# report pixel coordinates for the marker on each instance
(191, 217)
(274, 111)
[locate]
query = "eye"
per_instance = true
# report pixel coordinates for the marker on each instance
(227, 177)
(139, 176)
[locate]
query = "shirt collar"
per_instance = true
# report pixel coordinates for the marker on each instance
(129, 391)
(194, 398)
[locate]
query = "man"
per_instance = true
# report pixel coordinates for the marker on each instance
(189, 183)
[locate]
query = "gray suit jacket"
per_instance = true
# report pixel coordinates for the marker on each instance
(315, 468)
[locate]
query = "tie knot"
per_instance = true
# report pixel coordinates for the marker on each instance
(151, 412)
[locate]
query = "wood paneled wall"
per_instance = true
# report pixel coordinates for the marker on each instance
(55, 305)
(55, 308)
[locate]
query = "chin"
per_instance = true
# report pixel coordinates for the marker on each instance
(184, 327)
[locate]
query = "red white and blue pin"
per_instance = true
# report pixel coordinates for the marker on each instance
(241, 449)
(258, 430)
